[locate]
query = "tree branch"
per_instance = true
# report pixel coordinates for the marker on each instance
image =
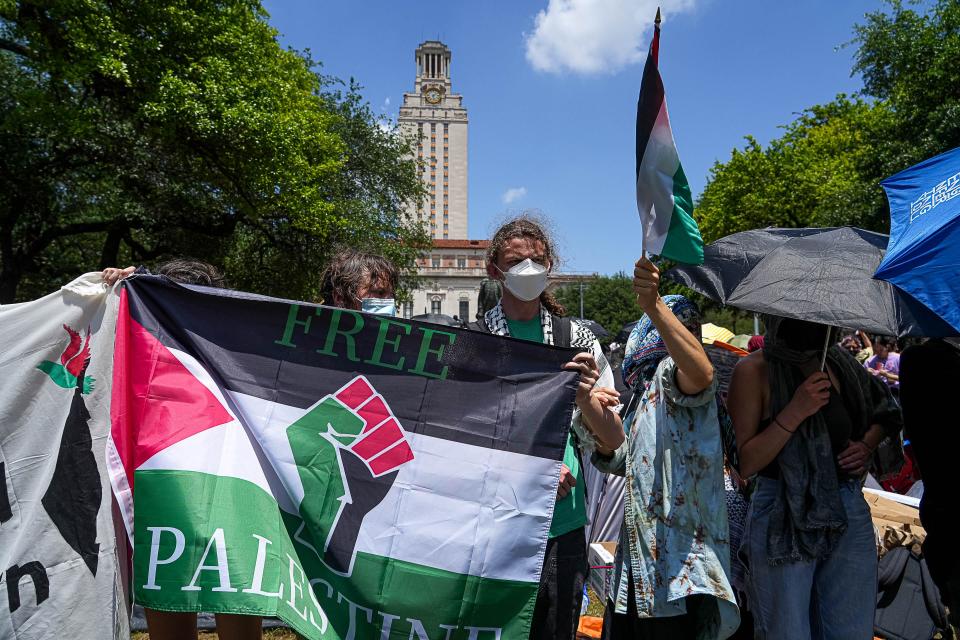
(15, 47)
(140, 251)
(48, 236)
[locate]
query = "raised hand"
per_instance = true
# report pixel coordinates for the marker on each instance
(646, 284)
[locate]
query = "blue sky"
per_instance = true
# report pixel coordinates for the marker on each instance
(551, 87)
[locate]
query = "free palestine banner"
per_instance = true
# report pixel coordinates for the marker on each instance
(60, 571)
(358, 476)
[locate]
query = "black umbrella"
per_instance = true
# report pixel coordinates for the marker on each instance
(596, 328)
(437, 318)
(624, 334)
(820, 275)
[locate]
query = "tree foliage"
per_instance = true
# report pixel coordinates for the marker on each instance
(818, 174)
(607, 300)
(826, 167)
(610, 301)
(133, 131)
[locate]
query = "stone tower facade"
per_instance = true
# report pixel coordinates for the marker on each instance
(436, 115)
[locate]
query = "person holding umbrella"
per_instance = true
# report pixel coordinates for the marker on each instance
(808, 435)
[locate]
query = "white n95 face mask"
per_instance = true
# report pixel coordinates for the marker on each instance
(379, 306)
(526, 280)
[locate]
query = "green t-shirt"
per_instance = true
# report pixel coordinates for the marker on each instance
(571, 511)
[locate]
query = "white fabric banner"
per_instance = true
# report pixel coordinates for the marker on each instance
(60, 570)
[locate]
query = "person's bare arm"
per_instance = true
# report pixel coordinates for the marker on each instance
(748, 386)
(694, 371)
(595, 412)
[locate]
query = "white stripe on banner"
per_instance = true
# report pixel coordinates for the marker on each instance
(655, 183)
(455, 507)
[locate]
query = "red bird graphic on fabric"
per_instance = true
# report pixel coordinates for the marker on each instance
(73, 498)
(68, 373)
(73, 357)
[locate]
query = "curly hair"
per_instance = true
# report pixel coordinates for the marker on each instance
(350, 270)
(527, 225)
(190, 271)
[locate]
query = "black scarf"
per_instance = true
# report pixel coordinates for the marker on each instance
(808, 518)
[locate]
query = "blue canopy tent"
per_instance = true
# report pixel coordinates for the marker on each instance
(923, 254)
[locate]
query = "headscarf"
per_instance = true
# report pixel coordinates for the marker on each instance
(645, 348)
(808, 517)
(755, 343)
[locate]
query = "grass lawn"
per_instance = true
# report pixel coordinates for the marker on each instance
(595, 608)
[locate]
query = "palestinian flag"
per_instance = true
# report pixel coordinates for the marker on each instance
(663, 193)
(358, 476)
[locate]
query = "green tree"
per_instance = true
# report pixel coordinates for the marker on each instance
(133, 131)
(610, 301)
(820, 173)
(911, 61)
(826, 167)
(607, 300)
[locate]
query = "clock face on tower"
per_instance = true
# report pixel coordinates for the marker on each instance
(433, 95)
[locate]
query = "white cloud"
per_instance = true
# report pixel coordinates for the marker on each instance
(513, 193)
(385, 119)
(594, 36)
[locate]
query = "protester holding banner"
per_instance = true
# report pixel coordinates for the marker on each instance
(809, 435)
(361, 282)
(178, 624)
(673, 559)
(520, 255)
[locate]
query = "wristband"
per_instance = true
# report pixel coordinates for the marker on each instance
(780, 424)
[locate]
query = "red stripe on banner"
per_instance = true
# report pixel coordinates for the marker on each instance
(156, 401)
(374, 412)
(376, 441)
(392, 458)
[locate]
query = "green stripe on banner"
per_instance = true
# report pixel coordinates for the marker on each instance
(233, 551)
(683, 243)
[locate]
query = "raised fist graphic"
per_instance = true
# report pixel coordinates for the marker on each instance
(348, 449)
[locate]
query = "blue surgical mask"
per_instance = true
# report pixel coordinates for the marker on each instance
(379, 306)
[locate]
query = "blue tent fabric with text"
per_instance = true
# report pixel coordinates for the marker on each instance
(923, 256)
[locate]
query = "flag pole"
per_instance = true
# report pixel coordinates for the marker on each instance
(654, 51)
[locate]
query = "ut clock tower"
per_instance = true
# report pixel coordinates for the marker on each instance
(436, 114)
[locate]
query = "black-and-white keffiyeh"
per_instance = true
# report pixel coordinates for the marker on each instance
(580, 336)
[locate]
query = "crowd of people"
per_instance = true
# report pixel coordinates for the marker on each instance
(743, 517)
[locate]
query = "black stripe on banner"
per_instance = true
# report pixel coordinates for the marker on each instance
(455, 384)
(649, 101)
